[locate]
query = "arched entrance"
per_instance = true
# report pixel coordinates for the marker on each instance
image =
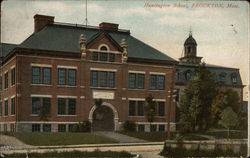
(104, 118)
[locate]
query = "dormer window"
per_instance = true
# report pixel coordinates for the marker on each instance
(222, 77)
(234, 78)
(103, 54)
(188, 75)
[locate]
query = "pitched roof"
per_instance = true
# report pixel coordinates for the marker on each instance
(5, 48)
(66, 38)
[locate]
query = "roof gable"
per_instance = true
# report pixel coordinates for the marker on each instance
(66, 38)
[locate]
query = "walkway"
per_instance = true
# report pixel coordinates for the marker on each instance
(10, 142)
(119, 137)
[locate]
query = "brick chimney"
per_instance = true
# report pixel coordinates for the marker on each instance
(108, 26)
(41, 20)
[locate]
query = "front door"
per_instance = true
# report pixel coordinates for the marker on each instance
(103, 119)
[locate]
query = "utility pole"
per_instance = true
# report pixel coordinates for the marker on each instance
(171, 95)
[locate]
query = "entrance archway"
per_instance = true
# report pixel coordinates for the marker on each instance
(104, 118)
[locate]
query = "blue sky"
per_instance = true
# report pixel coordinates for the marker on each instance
(163, 28)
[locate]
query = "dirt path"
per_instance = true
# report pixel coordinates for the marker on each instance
(10, 142)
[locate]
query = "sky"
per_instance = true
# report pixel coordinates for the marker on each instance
(221, 28)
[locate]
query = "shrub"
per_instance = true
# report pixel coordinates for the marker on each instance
(129, 126)
(84, 126)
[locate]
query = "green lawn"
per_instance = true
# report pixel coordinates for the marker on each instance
(78, 154)
(47, 139)
(223, 134)
(160, 136)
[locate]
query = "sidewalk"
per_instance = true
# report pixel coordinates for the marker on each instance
(119, 137)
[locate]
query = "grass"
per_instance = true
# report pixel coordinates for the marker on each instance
(70, 154)
(160, 136)
(53, 139)
(169, 151)
(232, 135)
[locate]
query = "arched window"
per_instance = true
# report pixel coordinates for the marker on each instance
(104, 48)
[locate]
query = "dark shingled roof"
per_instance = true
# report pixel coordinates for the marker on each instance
(65, 38)
(5, 48)
(190, 40)
(218, 71)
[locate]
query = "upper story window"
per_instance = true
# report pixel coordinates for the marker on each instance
(6, 108)
(13, 106)
(103, 79)
(234, 78)
(103, 54)
(13, 76)
(222, 77)
(136, 81)
(188, 75)
(66, 77)
(157, 82)
(6, 80)
(41, 75)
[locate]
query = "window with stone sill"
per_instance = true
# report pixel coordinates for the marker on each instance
(38, 102)
(46, 127)
(6, 108)
(102, 79)
(61, 127)
(136, 81)
(161, 128)
(36, 127)
(66, 77)
(104, 57)
(157, 82)
(66, 106)
(6, 80)
(41, 75)
(13, 105)
(136, 108)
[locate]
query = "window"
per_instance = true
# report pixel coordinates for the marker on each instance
(95, 56)
(41, 75)
(72, 107)
(46, 75)
(161, 108)
(66, 77)
(71, 77)
(6, 108)
(140, 108)
(222, 77)
(188, 75)
(1, 109)
(6, 80)
(12, 112)
(141, 128)
(46, 127)
(66, 106)
(161, 128)
(136, 81)
(234, 78)
(136, 108)
(104, 48)
(153, 128)
(36, 75)
(71, 127)
(13, 76)
(111, 57)
(61, 128)
(132, 109)
(157, 82)
(35, 127)
(102, 79)
(12, 127)
(38, 103)
(104, 57)
(61, 76)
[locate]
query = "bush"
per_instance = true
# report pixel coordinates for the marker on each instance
(84, 126)
(129, 126)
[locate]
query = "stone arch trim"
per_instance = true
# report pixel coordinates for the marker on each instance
(116, 117)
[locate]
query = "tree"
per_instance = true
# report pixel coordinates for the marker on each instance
(229, 119)
(225, 98)
(150, 108)
(195, 108)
